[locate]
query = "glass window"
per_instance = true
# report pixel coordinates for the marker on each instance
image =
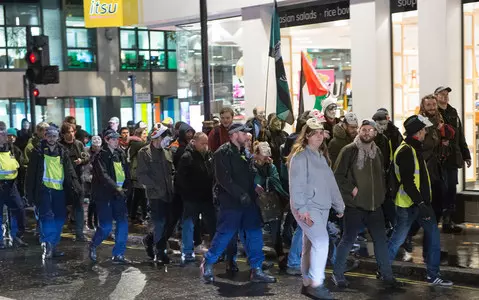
(4, 112)
(157, 40)
(406, 99)
(22, 14)
(127, 39)
(81, 41)
(13, 19)
(143, 49)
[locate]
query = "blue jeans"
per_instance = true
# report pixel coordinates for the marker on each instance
(79, 219)
(246, 221)
(10, 197)
(52, 213)
(432, 243)
(450, 177)
(334, 238)
(109, 210)
(190, 217)
(294, 256)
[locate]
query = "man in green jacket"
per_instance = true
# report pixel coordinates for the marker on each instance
(360, 177)
(343, 134)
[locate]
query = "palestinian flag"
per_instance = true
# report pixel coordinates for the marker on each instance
(310, 78)
(284, 108)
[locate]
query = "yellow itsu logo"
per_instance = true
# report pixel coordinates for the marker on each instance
(99, 8)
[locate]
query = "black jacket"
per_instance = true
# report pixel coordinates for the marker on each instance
(182, 143)
(234, 176)
(383, 144)
(275, 140)
(405, 161)
(34, 177)
(75, 151)
(459, 150)
(22, 138)
(392, 133)
(194, 176)
(103, 185)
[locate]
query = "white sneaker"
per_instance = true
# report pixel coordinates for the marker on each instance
(407, 256)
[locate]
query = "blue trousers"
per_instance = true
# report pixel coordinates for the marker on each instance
(294, 256)
(432, 240)
(208, 215)
(10, 197)
(109, 210)
(247, 221)
(52, 213)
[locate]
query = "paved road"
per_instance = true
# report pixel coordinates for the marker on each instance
(23, 276)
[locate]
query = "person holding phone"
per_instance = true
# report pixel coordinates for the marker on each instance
(313, 191)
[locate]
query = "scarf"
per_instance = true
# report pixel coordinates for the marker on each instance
(365, 151)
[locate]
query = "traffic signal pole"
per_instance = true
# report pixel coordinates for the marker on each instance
(30, 85)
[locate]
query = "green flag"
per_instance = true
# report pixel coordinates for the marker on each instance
(319, 101)
(284, 109)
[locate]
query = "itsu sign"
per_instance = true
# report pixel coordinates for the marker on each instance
(298, 15)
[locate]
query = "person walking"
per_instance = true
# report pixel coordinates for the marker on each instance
(413, 199)
(313, 191)
(238, 209)
(109, 183)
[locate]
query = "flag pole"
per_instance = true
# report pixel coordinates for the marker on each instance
(267, 68)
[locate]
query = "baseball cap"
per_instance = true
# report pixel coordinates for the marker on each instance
(314, 124)
(114, 120)
(238, 128)
(367, 122)
(111, 134)
(415, 123)
(161, 131)
(383, 110)
(442, 88)
(380, 115)
(52, 130)
(351, 119)
(12, 131)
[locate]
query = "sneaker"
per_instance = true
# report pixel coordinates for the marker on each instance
(407, 256)
(392, 283)
(320, 292)
(258, 276)
(294, 271)
(120, 260)
(187, 259)
(439, 282)
(207, 272)
(340, 281)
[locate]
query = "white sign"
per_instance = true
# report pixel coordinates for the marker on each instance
(143, 98)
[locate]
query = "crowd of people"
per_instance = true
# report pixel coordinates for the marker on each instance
(315, 190)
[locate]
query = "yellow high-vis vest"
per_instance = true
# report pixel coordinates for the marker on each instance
(119, 174)
(8, 166)
(402, 198)
(53, 174)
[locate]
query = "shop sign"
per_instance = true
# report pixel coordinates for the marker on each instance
(143, 97)
(403, 5)
(110, 13)
(313, 14)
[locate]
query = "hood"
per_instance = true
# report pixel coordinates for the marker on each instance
(339, 132)
(134, 139)
(182, 132)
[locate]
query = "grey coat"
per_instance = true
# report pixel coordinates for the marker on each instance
(155, 172)
(311, 183)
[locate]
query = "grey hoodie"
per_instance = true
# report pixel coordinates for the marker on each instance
(312, 185)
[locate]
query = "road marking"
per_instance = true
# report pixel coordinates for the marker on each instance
(131, 284)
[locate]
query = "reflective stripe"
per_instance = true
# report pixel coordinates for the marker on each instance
(402, 198)
(53, 175)
(7, 172)
(8, 166)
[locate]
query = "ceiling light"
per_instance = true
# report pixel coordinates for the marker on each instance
(336, 58)
(331, 66)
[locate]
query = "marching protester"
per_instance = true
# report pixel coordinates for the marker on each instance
(313, 191)
(413, 198)
(109, 183)
(343, 134)
(51, 182)
(138, 196)
(238, 209)
(155, 172)
(219, 135)
(92, 216)
(361, 179)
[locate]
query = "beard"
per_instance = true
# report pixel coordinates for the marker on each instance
(366, 140)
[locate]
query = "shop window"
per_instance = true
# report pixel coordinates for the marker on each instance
(80, 41)
(144, 112)
(13, 32)
(471, 91)
(406, 99)
(143, 49)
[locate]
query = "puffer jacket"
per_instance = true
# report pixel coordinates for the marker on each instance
(340, 139)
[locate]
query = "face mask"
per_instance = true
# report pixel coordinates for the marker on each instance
(166, 142)
(331, 111)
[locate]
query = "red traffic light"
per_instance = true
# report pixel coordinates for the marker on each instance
(33, 57)
(36, 92)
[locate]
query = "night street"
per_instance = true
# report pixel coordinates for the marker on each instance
(23, 276)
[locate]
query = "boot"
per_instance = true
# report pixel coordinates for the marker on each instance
(258, 276)
(448, 225)
(47, 250)
(232, 267)
(161, 256)
(207, 272)
(120, 260)
(92, 253)
(187, 259)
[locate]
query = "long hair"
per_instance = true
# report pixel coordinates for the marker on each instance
(302, 142)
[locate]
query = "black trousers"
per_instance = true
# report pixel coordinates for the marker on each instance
(139, 199)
